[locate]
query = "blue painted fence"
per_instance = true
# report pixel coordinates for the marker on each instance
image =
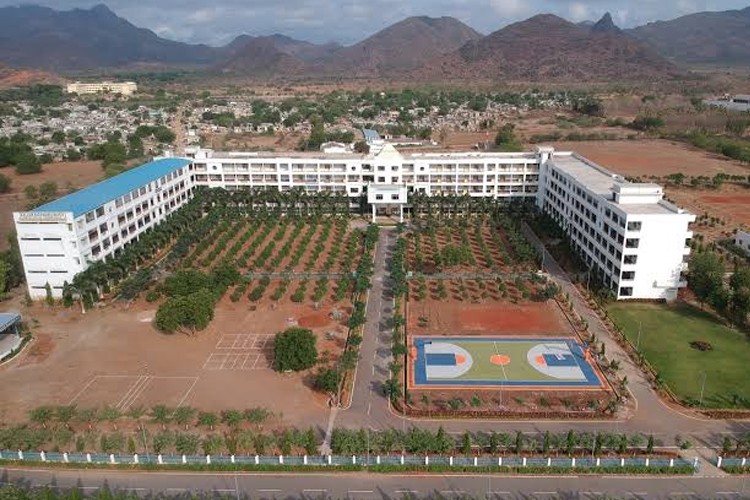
(333, 460)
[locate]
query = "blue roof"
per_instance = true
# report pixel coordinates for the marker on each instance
(8, 319)
(370, 134)
(96, 195)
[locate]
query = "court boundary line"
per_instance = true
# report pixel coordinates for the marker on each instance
(417, 342)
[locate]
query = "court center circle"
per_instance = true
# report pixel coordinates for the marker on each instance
(500, 359)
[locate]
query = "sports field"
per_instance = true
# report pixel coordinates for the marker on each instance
(519, 362)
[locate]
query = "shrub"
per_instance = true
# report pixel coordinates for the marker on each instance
(327, 380)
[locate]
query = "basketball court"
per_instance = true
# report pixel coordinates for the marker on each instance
(492, 362)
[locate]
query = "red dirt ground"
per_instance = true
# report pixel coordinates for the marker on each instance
(316, 320)
(449, 318)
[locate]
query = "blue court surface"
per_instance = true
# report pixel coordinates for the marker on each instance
(533, 362)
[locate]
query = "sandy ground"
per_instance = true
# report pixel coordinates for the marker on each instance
(653, 157)
(113, 356)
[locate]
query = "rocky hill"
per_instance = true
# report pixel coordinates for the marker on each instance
(79, 39)
(702, 38)
(548, 48)
(403, 46)
(260, 57)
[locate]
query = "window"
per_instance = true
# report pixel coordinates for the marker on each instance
(100, 211)
(378, 196)
(628, 275)
(626, 291)
(394, 168)
(381, 168)
(634, 226)
(394, 197)
(90, 216)
(354, 190)
(631, 259)
(632, 243)
(394, 180)
(381, 179)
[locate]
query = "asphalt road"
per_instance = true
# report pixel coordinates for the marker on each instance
(376, 486)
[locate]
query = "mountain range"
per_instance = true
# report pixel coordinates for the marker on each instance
(542, 47)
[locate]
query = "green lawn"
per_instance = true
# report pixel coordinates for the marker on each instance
(666, 333)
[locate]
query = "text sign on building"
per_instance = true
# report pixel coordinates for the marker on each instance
(42, 217)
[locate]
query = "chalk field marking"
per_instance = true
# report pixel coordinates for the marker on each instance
(140, 389)
(243, 342)
(236, 361)
(136, 389)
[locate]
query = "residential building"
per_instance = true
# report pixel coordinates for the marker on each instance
(123, 88)
(733, 103)
(624, 230)
(742, 240)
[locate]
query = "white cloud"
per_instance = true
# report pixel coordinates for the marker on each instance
(578, 11)
(510, 8)
(348, 21)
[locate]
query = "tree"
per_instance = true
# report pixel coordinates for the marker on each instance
(466, 443)
(705, 275)
(5, 183)
(506, 138)
(58, 137)
(27, 163)
(294, 349)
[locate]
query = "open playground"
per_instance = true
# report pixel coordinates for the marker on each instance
(508, 362)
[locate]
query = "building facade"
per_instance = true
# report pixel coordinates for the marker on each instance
(122, 88)
(604, 215)
(636, 241)
(59, 239)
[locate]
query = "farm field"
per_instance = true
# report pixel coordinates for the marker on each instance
(666, 335)
(475, 277)
(284, 257)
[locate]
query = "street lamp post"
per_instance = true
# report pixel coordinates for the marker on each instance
(638, 342)
(703, 387)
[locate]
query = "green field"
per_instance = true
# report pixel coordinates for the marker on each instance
(518, 369)
(666, 333)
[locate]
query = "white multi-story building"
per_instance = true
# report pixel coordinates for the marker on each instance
(123, 88)
(631, 233)
(60, 239)
(635, 240)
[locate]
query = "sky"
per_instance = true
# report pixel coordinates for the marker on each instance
(216, 22)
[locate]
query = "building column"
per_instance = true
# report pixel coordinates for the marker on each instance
(401, 214)
(373, 213)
